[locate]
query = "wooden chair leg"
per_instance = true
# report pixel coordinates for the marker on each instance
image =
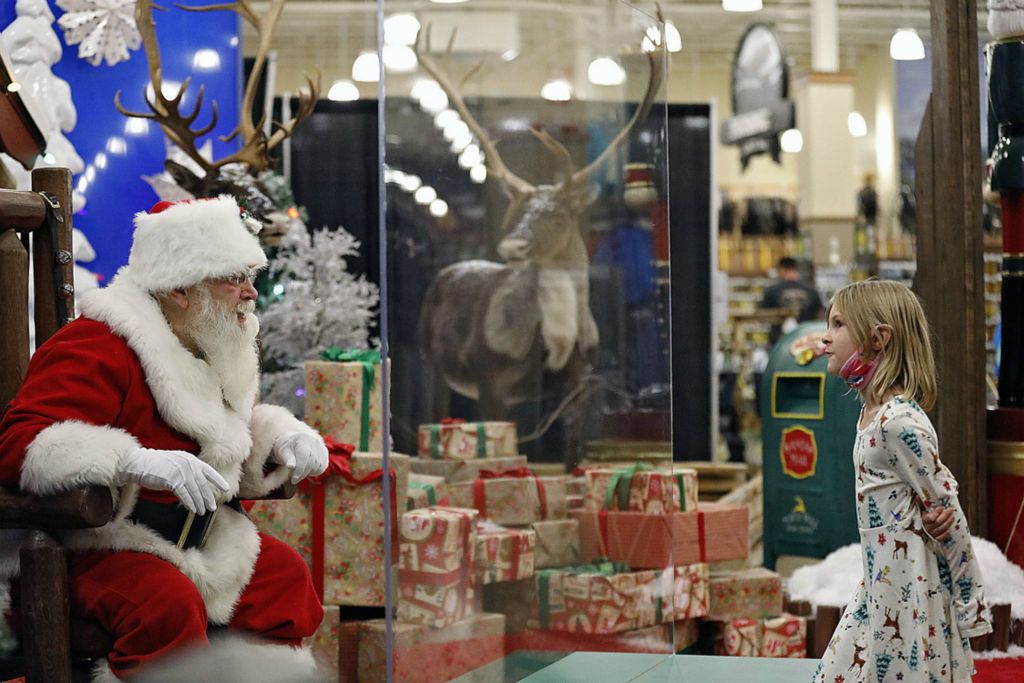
(45, 610)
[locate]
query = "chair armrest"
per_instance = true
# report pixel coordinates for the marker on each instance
(82, 508)
(282, 492)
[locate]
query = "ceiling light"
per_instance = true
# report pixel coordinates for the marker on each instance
(792, 141)
(445, 117)
(206, 60)
(401, 29)
(478, 173)
(343, 91)
(652, 38)
(136, 127)
(509, 54)
(857, 125)
(470, 157)
(557, 90)
(400, 59)
(605, 71)
(448, 2)
(461, 141)
(741, 5)
(439, 208)
(455, 129)
(425, 195)
(117, 145)
(434, 101)
(906, 45)
(410, 182)
(366, 68)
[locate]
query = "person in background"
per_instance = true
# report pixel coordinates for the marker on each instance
(793, 293)
(152, 392)
(867, 201)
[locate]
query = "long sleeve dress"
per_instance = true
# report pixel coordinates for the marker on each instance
(920, 599)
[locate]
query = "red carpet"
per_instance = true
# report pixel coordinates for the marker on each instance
(999, 670)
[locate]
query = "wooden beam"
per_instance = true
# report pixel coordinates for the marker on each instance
(950, 264)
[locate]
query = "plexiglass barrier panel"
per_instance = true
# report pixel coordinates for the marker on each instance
(528, 312)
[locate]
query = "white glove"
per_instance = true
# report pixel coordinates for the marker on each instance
(188, 477)
(303, 453)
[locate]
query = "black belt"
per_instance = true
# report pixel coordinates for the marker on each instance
(176, 524)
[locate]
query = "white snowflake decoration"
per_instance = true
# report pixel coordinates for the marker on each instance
(102, 29)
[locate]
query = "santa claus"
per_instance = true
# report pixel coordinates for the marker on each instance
(152, 392)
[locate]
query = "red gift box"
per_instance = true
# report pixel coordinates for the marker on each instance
(713, 532)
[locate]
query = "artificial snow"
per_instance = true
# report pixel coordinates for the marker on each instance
(834, 580)
(1012, 652)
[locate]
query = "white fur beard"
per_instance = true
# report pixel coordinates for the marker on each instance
(229, 349)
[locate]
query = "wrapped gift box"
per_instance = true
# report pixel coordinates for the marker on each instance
(458, 440)
(435, 570)
(425, 491)
(343, 399)
(558, 543)
(505, 555)
(325, 644)
(742, 638)
(337, 525)
(596, 599)
(690, 592)
(457, 471)
(711, 533)
(432, 655)
(641, 490)
(513, 500)
(745, 594)
(783, 636)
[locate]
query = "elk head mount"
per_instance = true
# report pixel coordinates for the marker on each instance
(512, 332)
(166, 110)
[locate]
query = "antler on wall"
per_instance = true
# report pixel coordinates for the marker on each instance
(178, 125)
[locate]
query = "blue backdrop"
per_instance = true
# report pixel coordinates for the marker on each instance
(117, 191)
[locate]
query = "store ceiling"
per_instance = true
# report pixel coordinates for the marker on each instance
(324, 32)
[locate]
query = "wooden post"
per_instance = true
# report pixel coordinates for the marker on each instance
(45, 610)
(56, 181)
(13, 314)
(826, 621)
(999, 639)
(949, 279)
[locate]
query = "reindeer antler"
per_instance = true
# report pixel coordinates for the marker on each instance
(178, 126)
(657, 72)
(495, 166)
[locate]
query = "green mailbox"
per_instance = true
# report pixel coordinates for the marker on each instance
(808, 424)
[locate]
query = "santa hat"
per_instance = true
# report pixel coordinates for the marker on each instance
(178, 244)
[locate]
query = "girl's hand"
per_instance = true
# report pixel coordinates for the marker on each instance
(937, 522)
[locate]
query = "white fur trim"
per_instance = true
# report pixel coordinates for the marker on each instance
(268, 423)
(220, 570)
(187, 391)
(101, 673)
(190, 242)
(71, 454)
(235, 658)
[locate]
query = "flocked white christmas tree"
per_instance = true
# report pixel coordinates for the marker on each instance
(317, 304)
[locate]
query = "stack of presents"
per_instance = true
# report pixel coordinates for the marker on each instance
(489, 558)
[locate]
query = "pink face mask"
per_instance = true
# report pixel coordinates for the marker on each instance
(857, 371)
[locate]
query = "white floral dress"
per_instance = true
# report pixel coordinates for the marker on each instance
(920, 600)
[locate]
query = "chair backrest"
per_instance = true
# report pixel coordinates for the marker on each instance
(45, 212)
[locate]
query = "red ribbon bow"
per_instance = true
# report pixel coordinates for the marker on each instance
(452, 420)
(480, 499)
(339, 463)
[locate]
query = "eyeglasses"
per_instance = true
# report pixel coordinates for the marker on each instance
(238, 279)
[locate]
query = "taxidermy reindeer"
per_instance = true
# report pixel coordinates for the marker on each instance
(506, 333)
(177, 125)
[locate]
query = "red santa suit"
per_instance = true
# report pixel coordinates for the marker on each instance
(117, 379)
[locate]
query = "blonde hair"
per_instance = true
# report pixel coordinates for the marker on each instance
(907, 364)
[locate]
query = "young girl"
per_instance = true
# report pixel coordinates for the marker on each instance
(921, 599)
